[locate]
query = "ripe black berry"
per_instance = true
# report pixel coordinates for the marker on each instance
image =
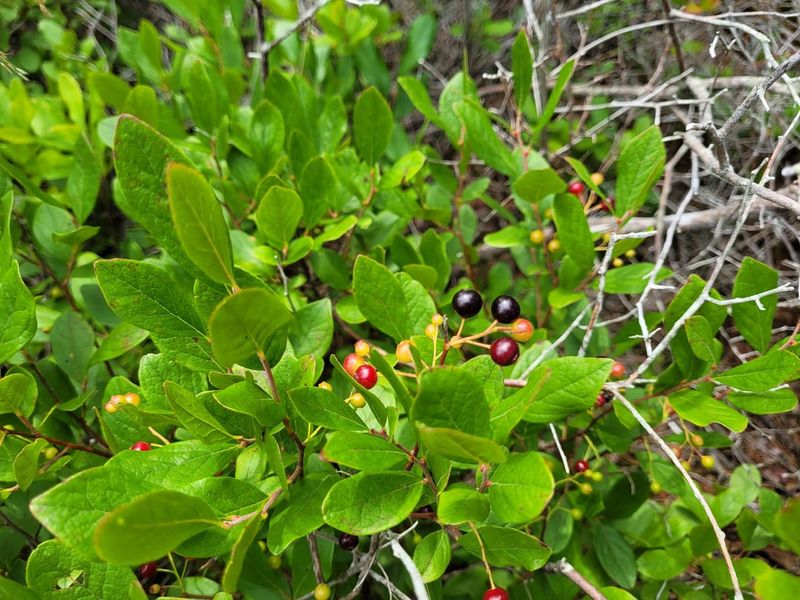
(348, 542)
(505, 309)
(467, 303)
(504, 351)
(147, 570)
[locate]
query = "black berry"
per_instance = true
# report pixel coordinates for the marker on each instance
(348, 542)
(467, 303)
(504, 351)
(505, 309)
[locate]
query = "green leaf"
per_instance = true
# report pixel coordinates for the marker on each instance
(71, 509)
(700, 408)
(380, 297)
(18, 392)
(777, 585)
(247, 398)
(363, 452)
(400, 390)
(701, 338)
(416, 92)
(507, 237)
(511, 409)
(146, 296)
(372, 125)
(199, 223)
(462, 504)
(753, 323)
(235, 564)
(324, 408)
(141, 156)
(567, 69)
(26, 464)
(451, 397)
(18, 323)
(72, 344)
(207, 97)
(369, 503)
(421, 36)
(639, 167)
(632, 279)
(319, 189)
(403, 170)
(521, 488)
(507, 548)
(278, 216)
(534, 185)
(586, 177)
(762, 373)
(55, 571)
(573, 230)
(764, 403)
(615, 555)
(432, 556)
(194, 415)
(6, 234)
(83, 183)
(303, 514)
(242, 324)
(311, 332)
(572, 386)
(484, 141)
(12, 589)
(174, 465)
(460, 446)
(522, 68)
(151, 526)
(123, 338)
(787, 524)
(267, 135)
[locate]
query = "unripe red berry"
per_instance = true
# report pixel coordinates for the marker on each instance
(147, 570)
(141, 446)
(504, 351)
(351, 362)
(521, 330)
(362, 348)
(581, 466)
(600, 401)
(403, 352)
(366, 376)
(617, 370)
(576, 188)
(495, 594)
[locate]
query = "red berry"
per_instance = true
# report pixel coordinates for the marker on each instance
(521, 330)
(495, 594)
(607, 204)
(351, 362)
(504, 351)
(601, 400)
(148, 570)
(576, 188)
(366, 376)
(617, 370)
(581, 466)
(141, 446)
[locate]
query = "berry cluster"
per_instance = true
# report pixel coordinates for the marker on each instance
(506, 313)
(117, 399)
(358, 368)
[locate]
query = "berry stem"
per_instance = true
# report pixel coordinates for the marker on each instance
(315, 563)
(483, 554)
